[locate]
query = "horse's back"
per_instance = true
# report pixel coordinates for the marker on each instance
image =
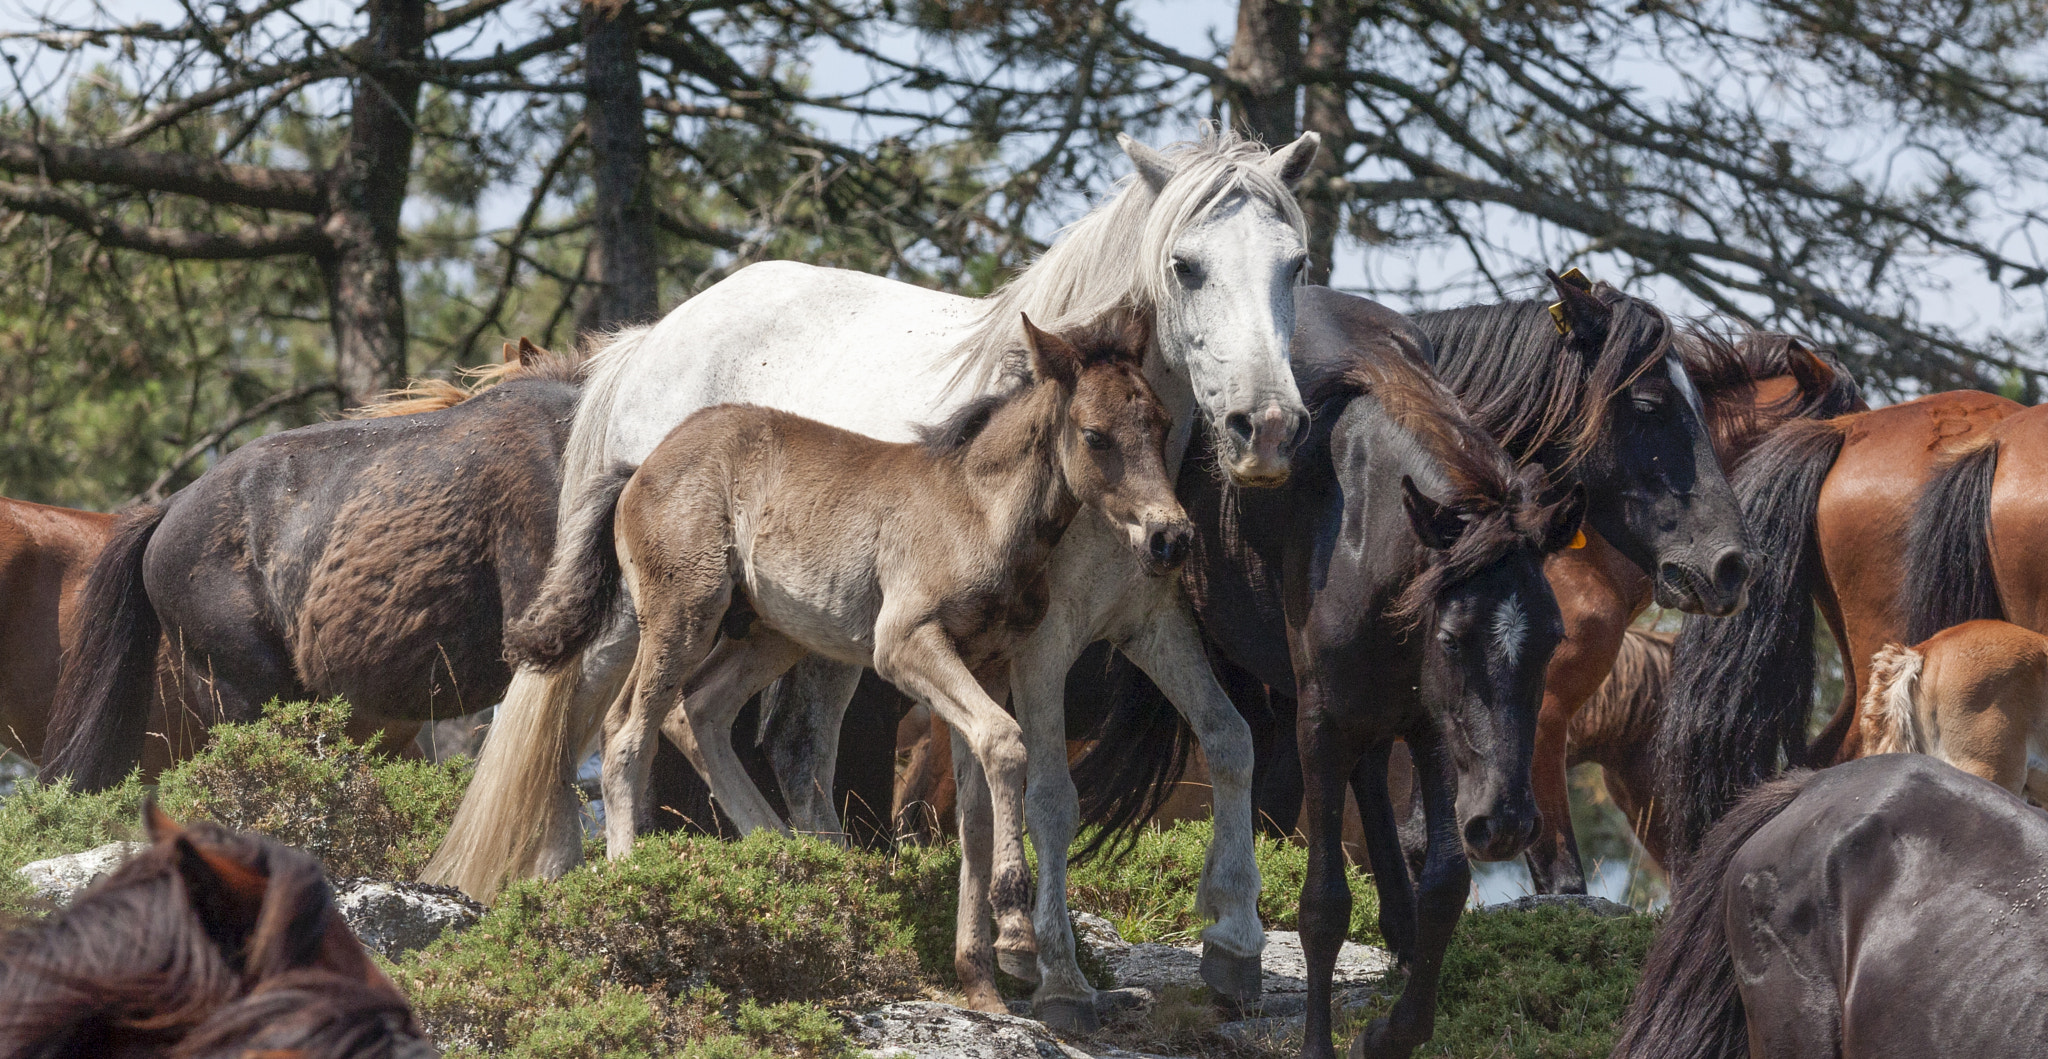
(1899, 901)
(845, 348)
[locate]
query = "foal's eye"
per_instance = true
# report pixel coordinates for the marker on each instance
(1096, 439)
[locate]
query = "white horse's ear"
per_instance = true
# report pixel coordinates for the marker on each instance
(1290, 163)
(1152, 166)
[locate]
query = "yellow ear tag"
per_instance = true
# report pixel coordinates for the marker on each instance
(1578, 539)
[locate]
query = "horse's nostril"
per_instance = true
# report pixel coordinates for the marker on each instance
(1731, 571)
(1479, 832)
(1239, 424)
(1169, 547)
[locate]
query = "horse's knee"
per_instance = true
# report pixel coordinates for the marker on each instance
(1228, 750)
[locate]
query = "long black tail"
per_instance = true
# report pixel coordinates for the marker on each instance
(1141, 750)
(1742, 686)
(98, 723)
(1949, 579)
(1686, 1006)
(582, 583)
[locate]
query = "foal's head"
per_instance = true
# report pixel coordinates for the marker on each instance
(1491, 625)
(1113, 436)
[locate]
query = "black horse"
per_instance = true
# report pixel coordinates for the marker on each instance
(1400, 574)
(1592, 389)
(1913, 881)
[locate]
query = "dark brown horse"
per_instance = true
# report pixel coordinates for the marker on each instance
(1747, 387)
(1889, 908)
(45, 553)
(208, 943)
(1829, 505)
(374, 559)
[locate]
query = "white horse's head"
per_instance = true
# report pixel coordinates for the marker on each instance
(1207, 240)
(1223, 249)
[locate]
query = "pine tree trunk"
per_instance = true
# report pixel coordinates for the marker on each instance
(613, 112)
(1331, 25)
(1265, 66)
(365, 194)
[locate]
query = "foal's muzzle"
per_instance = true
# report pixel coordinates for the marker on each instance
(1167, 545)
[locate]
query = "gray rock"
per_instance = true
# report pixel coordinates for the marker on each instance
(395, 918)
(1155, 966)
(1599, 906)
(930, 1030)
(62, 879)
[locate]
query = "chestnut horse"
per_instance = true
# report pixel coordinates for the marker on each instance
(45, 553)
(1828, 504)
(1974, 695)
(1747, 388)
(207, 943)
(751, 538)
(1889, 908)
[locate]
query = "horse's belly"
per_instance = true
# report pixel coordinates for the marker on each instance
(829, 610)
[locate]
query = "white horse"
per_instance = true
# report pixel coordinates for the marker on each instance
(1208, 240)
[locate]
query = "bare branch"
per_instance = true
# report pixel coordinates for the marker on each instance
(256, 241)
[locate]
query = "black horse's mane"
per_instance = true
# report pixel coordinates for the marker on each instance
(1504, 362)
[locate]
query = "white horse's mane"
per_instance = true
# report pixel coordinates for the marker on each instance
(1119, 257)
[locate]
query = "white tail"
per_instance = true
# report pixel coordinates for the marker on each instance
(1890, 707)
(516, 794)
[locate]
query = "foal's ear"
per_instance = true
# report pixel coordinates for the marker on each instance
(1580, 313)
(1566, 519)
(1436, 525)
(1290, 163)
(1153, 168)
(528, 352)
(1052, 357)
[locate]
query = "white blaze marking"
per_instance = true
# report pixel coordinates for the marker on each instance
(1684, 383)
(1510, 629)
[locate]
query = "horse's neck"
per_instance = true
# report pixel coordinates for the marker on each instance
(1178, 398)
(1013, 474)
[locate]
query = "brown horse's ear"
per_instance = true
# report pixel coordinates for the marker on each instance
(1052, 357)
(1567, 516)
(528, 352)
(509, 353)
(226, 895)
(1578, 311)
(157, 825)
(1436, 525)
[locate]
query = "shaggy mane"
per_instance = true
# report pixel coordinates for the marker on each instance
(433, 395)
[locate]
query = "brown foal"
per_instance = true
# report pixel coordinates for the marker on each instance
(752, 537)
(1974, 695)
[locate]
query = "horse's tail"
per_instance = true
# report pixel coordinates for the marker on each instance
(581, 588)
(105, 684)
(1949, 579)
(1742, 686)
(1141, 751)
(1888, 707)
(1686, 1005)
(514, 800)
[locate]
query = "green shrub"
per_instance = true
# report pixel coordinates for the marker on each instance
(1149, 893)
(1550, 983)
(295, 776)
(768, 919)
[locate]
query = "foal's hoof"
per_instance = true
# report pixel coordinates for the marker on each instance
(1068, 1015)
(1017, 964)
(1237, 979)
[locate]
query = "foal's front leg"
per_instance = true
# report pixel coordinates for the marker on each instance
(920, 659)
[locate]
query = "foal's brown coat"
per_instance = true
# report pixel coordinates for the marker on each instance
(1974, 695)
(752, 537)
